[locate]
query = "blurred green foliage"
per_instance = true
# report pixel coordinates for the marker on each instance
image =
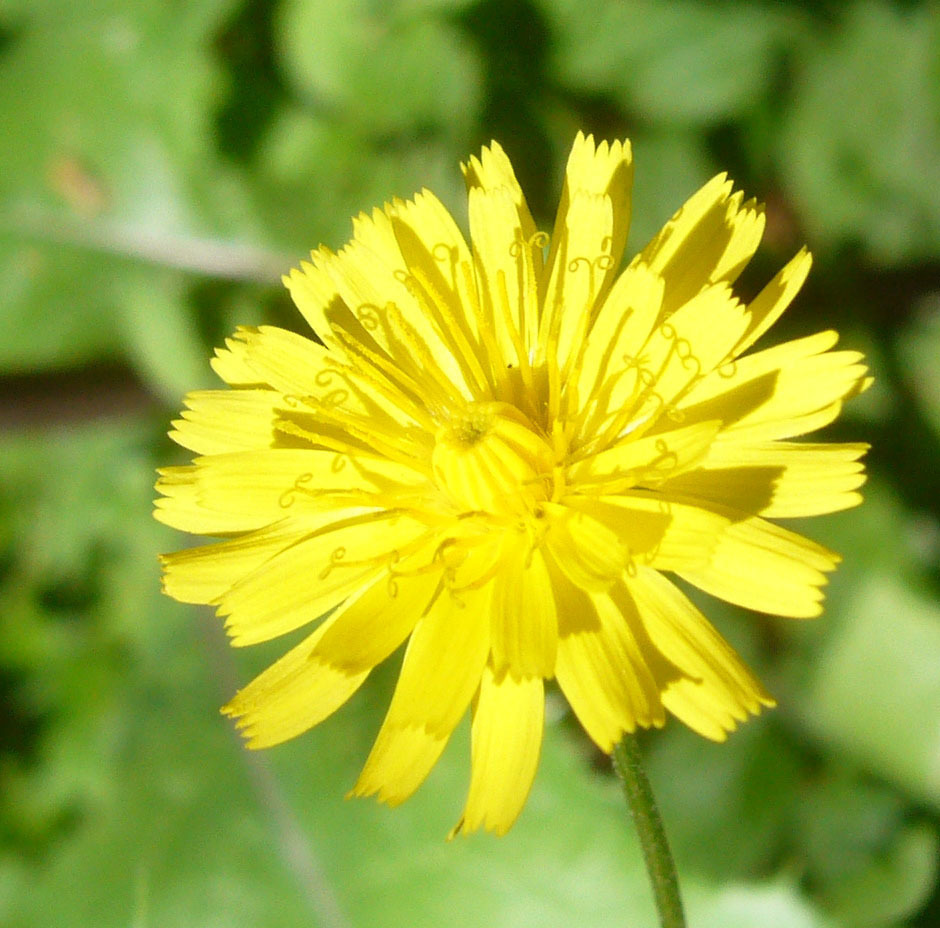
(163, 161)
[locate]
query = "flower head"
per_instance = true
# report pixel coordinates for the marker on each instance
(495, 453)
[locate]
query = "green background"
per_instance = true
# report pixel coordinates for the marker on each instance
(161, 163)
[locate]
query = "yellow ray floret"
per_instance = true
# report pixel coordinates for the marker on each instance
(492, 453)
(506, 742)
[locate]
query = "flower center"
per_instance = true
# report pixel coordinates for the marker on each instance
(490, 458)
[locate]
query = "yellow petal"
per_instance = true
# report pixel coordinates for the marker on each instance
(714, 690)
(743, 229)
(664, 532)
(312, 379)
(216, 421)
(575, 608)
(590, 554)
(320, 290)
(603, 380)
(587, 243)
(292, 695)
(524, 621)
(708, 240)
(314, 575)
(506, 272)
(606, 678)
(443, 662)
(229, 363)
(762, 566)
(179, 507)
(777, 479)
(372, 623)
(373, 279)
(693, 341)
(441, 276)
(505, 745)
(805, 398)
(767, 307)
(508, 256)
(492, 171)
(201, 575)
(399, 762)
(317, 297)
(646, 461)
(357, 421)
(781, 392)
(745, 371)
(603, 170)
(580, 270)
(285, 361)
(708, 201)
(269, 485)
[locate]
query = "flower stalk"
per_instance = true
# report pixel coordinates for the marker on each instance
(659, 862)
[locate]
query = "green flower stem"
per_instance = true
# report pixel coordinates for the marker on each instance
(659, 863)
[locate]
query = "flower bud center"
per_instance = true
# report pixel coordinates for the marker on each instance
(491, 458)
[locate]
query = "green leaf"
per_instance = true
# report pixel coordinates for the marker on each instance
(869, 865)
(313, 175)
(686, 63)
(77, 568)
(896, 887)
(160, 334)
(371, 66)
(776, 904)
(108, 164)
(860, 146)
(875, 692)
(871, 690)
(56, 306)
(919, 347)
(107, 107)
(729, 805)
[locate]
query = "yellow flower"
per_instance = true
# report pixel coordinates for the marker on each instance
(495, 453)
